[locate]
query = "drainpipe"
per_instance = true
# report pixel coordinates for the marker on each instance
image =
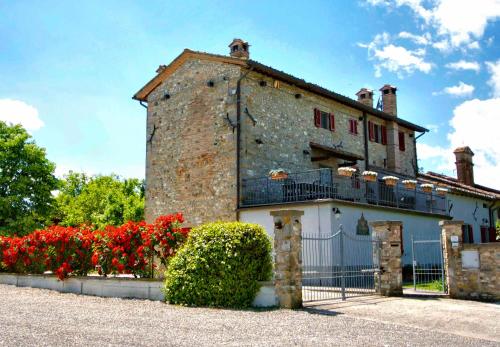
(415, 150)
(490, 212)
(365, 135)
(238, 141)
(143, 104)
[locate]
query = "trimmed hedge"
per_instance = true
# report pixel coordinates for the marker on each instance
(220, 265)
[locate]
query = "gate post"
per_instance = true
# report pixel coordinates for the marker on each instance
(452, 229)
(388, 233)
(288, 257)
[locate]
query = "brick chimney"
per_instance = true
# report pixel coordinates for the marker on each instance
(239, 49)
(389, 100)
(465, 166)
(365, 96)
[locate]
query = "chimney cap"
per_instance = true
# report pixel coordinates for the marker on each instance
(465, 149)
(388, 86)
(364, 90)
(236, 41)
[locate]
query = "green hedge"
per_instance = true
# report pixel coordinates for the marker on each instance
(220, 265)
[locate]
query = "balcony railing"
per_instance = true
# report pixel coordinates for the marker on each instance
(325, 184)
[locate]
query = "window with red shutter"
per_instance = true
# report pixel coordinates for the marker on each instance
(317, 118)
(353, 126)
(356, 127)
(484, 234)
(371, 132)
(332, 122)
(402, 145)
(467, 234)
(493, 234)
(384, 135)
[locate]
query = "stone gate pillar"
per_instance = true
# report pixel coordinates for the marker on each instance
(451, 236)
(389, 256)
(288, 257)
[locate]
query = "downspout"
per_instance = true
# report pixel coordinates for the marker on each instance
(143, 105)
(365, 135)
(415, 151)
(490, 211)
(238, 140)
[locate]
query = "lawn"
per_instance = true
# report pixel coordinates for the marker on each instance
(434, 286)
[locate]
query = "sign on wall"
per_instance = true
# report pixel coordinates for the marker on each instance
(470, 259)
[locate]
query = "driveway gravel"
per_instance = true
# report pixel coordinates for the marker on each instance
(40, 317)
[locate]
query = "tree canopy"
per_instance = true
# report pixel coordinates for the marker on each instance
(26, 182)
(99, 200)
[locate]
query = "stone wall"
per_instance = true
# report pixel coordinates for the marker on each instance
(472, 270)
(285, 126)
(191, 148)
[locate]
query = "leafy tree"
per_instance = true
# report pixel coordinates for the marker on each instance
(26, 182)
(99, 200)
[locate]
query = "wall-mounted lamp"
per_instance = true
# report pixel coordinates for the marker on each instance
(258, 141)
(166, 96)
(210, 83)
(360, 118)
(336, 213)
(306, 152)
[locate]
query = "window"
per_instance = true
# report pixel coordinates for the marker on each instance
(324, 120)
(353, 126)
(402, 146)
(467, 234)
(488, 234)
(377, 133)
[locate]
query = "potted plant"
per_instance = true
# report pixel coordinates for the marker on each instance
(410, 184)
(346, 171)
(427, 187)
(278, 174)
(369, 176)
(442, 191)
(390, 181)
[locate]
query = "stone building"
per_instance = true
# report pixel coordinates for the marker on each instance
(218, 124)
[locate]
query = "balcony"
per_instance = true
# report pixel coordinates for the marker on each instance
(326, 184)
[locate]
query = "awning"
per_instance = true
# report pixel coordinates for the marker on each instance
(334, 152)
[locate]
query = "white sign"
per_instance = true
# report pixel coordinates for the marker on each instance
(470, 259)
(454, 241)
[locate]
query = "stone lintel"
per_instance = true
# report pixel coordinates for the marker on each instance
(281, 213)
(379, 223)
(443, 223)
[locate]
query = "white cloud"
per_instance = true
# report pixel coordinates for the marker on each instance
(18, 112)
(418, 39)
(433, 127)
(443, 46)
(464, 65)
(458, 23)
(475, 123)
(460, 90)
(494, 81)
(395, 59)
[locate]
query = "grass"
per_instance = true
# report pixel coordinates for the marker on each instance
(434, 286)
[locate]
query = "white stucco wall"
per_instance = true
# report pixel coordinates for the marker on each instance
(318, 218)
(463, 209)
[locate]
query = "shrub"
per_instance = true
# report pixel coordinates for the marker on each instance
(219, 265)
(127, 249)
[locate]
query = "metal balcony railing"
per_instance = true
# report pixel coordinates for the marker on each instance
(325, 184)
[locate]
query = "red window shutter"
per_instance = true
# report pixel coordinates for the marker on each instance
(484, 234)
(332, 122)
(356, 127)
(471, 234)
(384, 135)
(317, 118)
(371, 131)
(493, 234)
(402, 145)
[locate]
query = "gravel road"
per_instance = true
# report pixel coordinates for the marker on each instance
(40, 317)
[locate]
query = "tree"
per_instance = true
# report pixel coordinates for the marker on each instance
(99, 200)
(26, 182)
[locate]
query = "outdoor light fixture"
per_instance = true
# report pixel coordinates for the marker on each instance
(210, 83)
(306, 152)
(336, 213)
(166, 96)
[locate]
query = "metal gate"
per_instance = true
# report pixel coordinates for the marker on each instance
(339, 266)
(428, 269)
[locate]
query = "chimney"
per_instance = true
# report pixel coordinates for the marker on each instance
(239, 49)
(389, 102)
(365, 96)
(465, 167)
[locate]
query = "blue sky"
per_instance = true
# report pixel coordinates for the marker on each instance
(68, 70)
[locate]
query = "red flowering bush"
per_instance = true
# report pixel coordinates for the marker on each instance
(129, 248)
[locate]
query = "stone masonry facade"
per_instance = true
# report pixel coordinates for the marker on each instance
(465, 281)
(191, 156)
(191, 148)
